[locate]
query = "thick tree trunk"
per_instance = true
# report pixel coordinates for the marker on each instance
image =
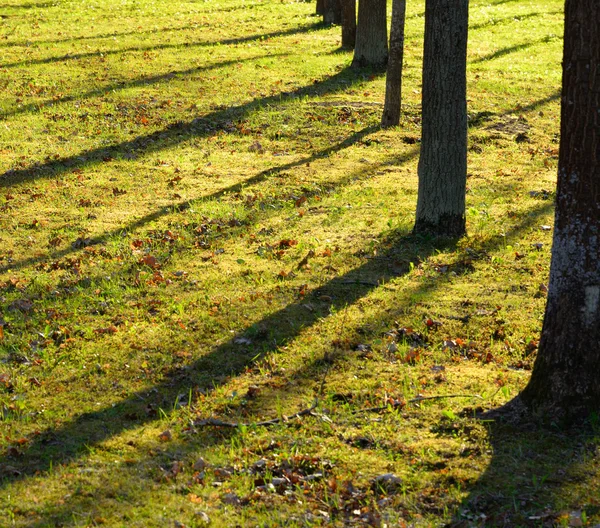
(348, 23)
(393, 81)
(371, 35)
(320, 9)
(566, 376)
(332, 12)
(443, 160)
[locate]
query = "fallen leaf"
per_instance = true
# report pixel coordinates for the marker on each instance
(287, 243)
(150, 261)
(165, 436)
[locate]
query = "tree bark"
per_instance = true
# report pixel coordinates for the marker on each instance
(332, 12)
(565, 382)
(371, 35)
(393, 80)
(443, 159)
(320, 9)
(348, 24)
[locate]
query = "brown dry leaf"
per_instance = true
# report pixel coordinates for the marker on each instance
(150, 261)
(287, 243)
(165, 436)
(108, 330)
(412, 357)
(300, 201)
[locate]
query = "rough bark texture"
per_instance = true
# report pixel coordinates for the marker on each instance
(566, 376)
(348, 23)
(393, 80)
(332, 12)
(371, 35)
(443, 160)
(320, 9)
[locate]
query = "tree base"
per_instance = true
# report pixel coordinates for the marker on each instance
(390, 119)
(363, 63)
(515, 412)
(450, 226)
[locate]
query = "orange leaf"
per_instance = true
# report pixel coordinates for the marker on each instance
(150, 261)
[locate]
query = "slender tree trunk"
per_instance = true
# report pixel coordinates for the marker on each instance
(348, 23)
(443, 160)
(371, 35)
(320, 7)
(332, 12)
(393, 81)
(566, 375)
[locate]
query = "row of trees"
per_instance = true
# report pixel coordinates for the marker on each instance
(563, 383)
(443, 159)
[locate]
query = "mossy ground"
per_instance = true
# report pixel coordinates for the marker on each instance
(200, 218)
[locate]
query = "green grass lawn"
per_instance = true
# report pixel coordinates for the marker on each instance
(201, 222)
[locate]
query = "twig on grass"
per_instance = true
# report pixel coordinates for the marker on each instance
(213, 422)
(402, 403)
(267, 423)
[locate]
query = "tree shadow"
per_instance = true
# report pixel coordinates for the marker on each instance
(480, 118)
(69, 441)
(536, 477)
(176, 133)
(124, 85)
(30, 5)
(501, 2)
(226, 42)
(510, 49)
(540, 102)
(100, 36)
(505, 20)
(73, 440)
(186, 204)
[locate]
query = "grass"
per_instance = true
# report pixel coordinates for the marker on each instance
(201, 219)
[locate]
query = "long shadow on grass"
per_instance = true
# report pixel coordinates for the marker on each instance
(63, 446)
(479, 119)
(125, 85)
(505, 20)
(163, 211)
(103, 36)
(73, 439)
(30, 5)
(100, 36)
(178, 132)
(528, 479)
(186, 204)
(510, 49)
(226, 42)
(534, 105)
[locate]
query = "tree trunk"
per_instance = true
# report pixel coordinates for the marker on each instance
(565, 382)
(348, 23)
(320, 7)
(371, 35)
(443, 159)
(393, 81)
(332, 12)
